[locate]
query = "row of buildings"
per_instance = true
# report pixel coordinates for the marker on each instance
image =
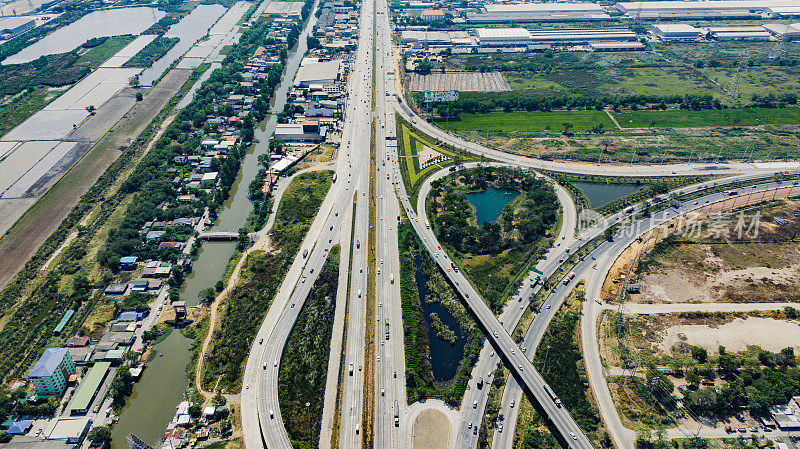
(679, 32)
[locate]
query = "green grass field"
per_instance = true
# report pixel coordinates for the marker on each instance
(717, 117)
(529, 121)
(410, 144)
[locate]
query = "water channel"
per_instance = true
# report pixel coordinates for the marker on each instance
(600, 194)
(489, 204)
(444, 357)
(156, 396)
(103, 23)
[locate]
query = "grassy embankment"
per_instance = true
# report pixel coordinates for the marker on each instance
(262, 275)
(304, 360)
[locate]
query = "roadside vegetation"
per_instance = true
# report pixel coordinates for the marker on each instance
(495, 255)
(152, 52)
(531, 431)
(304, 361)
(261, 277)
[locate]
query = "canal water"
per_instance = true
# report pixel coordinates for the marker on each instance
(600, 194)
(103, 23)
(189, 30)
(444, 356)
(157, 395)
(489, 204)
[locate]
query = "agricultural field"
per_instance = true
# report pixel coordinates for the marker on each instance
(681, 118)
(529, 121)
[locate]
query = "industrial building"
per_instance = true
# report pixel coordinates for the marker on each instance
(676, 32)
(51, 372)
(754, 33)
(14, 26)
(503, 37)
(308, 131)
(419, 38)
(715, 9)
(784, 32)
(313, 71)
(540, 12)
(517, 37)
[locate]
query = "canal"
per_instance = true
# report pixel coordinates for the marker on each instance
(162, 387)
(600, 194)
(444, 356)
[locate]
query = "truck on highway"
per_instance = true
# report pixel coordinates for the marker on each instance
(454, 267)
(552, 396)
(387, 328)
(396, 414)
(333, 178)
(427, 224)
(351, 368)
(305, 253)
(480, 382)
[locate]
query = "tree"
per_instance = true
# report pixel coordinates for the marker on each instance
(91, 109)
(609, 234)
(5, 437)
(139, 96)
(195, 411)
(207, 294)
(219, 399)
(99, 435)
(643, 434)
(699, 353)
(567, 126)
(692, 378)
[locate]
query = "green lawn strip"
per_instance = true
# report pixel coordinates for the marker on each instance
(152, 52)
(681, 118)
(261, 276)
(304, 361)
(109, 47)
(529, 121)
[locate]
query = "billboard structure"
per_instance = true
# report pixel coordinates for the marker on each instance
(440, 96)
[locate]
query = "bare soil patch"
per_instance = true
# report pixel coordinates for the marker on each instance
(431, 430)
(770, 334)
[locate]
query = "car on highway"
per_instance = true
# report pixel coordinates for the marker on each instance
(474, 404)
(512, 404)
(574, 437)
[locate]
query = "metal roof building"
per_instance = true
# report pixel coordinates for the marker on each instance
(672, 32)
(534, 12)
(715, 9)
(784, 32)
(491, 37)
(88, 388)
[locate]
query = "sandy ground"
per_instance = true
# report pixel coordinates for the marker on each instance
(431, 430)
(769, 334)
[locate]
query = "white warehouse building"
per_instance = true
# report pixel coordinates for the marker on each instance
(714, 9)
(676, 32)
(540, 12)
(503, 37)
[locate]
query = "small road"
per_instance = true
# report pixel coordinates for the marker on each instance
(701, 307)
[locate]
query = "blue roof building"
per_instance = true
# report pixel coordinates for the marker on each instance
(51, 372)
(129, 317)
(20, 427)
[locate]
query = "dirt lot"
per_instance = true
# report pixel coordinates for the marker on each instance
(431, 430)
(44, 217)
(770, 334)
(739, 272)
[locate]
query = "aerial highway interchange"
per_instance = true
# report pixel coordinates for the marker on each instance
(368, 176)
